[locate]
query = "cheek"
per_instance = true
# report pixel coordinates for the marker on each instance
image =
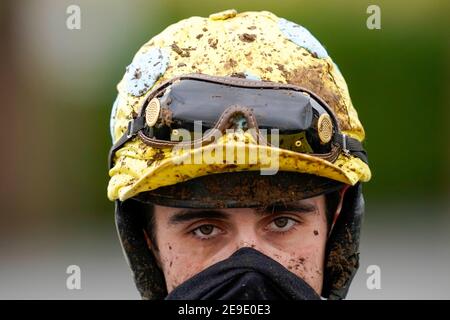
(174, 261)
(306, 262)
(304, 254)
(179, 263)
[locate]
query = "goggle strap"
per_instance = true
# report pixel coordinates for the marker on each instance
(351, 145)
(134, 126)
(348, 144)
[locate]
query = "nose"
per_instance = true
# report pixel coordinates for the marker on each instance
(246, 243)
(248, 238)
(244, 237)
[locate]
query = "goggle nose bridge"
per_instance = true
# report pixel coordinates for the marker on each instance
(235, 116)
(225, 122)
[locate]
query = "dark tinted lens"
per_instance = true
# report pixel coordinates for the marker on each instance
(191, 100)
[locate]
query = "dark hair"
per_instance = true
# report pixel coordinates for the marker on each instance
(331, 202)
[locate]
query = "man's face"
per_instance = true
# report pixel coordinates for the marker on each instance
(190, 240)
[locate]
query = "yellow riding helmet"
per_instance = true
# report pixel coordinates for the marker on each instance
(251, 45)
(189, 67)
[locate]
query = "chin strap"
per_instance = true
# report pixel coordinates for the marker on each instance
(342, 256)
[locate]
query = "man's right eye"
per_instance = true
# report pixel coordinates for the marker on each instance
(206, 231)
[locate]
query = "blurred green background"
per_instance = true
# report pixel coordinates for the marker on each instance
(58, 86)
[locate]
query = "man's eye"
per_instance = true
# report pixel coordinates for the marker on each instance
(206, 231)
(282, 224)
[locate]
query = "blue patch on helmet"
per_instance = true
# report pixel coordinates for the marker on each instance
(251, 76)
(145, 69)
(302, 37)
(113, 117)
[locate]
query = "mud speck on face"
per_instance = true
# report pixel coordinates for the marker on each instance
(247, 37)
(199, 36)
(316, 232)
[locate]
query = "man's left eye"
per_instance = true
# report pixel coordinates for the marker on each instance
(282, 224)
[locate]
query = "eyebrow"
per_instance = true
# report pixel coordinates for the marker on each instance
(188, 215)
(287, 207)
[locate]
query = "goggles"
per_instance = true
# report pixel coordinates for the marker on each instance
(189, 103)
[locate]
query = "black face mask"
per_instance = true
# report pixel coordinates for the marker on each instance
(246, 275)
